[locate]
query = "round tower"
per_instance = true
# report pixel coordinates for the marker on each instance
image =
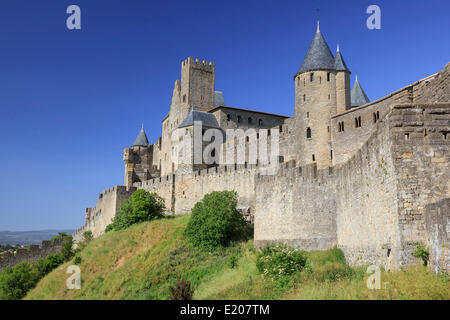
(315, 103)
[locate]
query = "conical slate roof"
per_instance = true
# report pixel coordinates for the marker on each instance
(339, 63)
(207, 119)
(357, 96)
(141, 140)
(318, 57)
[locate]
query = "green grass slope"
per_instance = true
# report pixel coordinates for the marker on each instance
(143, 261)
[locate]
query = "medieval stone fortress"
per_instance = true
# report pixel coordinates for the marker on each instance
(371, 177)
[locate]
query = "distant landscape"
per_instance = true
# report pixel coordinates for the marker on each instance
(28, 237)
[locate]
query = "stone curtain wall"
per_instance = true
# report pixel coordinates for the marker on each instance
(32, 255)
(438, 229)
(421, 135)
(296, 207)
(100, 216)
(435, 88)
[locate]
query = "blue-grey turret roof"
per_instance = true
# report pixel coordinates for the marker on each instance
(319, 56)
(141, 140)
(339, 63)
(207, 119)
(357, 96)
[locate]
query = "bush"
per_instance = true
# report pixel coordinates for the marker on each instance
(181, 291)
(15, 282)
(280, 260)
(422, 253)
(141, 206)
(77, 260)
(232, 261)
(67, 251)
(215, 221)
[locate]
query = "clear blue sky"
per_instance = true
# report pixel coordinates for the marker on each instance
(70, 101)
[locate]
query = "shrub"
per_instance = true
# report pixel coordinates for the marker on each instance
(77, 260)
(15, 282)
(422, 253)
(141, 206)
(232, 261)
(87, 236)
(181, 291)
(109, 227)
(280, 260)
(67, 251)
(215, 221)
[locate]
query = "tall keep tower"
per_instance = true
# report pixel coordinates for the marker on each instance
(322, 89)
(197, 84)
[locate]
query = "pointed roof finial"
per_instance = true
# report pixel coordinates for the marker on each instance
(337, 47)
(142, 126)
(318, 20)
(356, 77)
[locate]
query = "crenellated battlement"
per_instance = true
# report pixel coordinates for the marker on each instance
(198, 63)
(31, 254)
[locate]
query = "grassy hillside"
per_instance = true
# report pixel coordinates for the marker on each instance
(143, 261)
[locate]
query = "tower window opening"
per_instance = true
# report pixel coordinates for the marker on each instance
(374, 117)
(328, 128)
(307, 115)
(311, 77)
(444, 135)
(228, 117)
(281, 128)
(358, 122)
(308, 133)
(406, 136)
(328, 97)
(249, 120)
(184, 98)
(378, 115)
(313, 158)
(331, 154)
(260, 122)
(320, 79)
(239, 119)
(328, 76)
(304, 97)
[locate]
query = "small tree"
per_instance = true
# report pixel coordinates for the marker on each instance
(67, 251)
(141, 206)
(181, 291)
(17, 281)
(215, 221)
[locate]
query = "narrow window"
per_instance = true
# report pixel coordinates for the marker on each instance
(314, 157)
(328, 97)
(359, 121)
(311, 77)
(356, 122)
(374, 117)
(304, 97)
(239, 119)
(213, 153)
(281, 128)
(406, 136)
(343, 129)
(228, 117)
(249, 120)
(331, 154)
(378, 115)
(340, 128)
(328, 76)
(260, 122)
(307, 115)
(328, 128)
(308, 133)
(320, 79)
(184, 98)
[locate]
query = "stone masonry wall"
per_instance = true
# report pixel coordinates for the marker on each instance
(421, 135)
(32, 255)
(438, 229)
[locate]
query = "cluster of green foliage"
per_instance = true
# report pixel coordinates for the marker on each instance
(279, 260)
(141, 206)
(16, 281)
(422, 253)
(215, 221)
